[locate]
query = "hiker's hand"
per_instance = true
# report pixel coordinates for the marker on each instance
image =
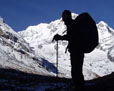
(56, 37)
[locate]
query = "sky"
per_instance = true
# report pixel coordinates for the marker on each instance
(19, 14)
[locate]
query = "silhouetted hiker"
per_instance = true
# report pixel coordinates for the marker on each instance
(81, 40)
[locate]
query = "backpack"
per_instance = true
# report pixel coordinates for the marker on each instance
(88, 32)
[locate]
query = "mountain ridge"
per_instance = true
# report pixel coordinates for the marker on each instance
(38, 40)
(43, 46)
(15, 53)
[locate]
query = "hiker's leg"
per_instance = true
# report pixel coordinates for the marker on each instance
(77, 66)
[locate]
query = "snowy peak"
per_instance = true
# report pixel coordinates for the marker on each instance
(104, 27)
(45, 30)
(31, 31)
(106, 35)
(102, 24)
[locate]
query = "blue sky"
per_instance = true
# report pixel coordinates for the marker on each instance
(20, 14)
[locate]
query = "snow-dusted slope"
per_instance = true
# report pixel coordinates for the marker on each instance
(40, 39)
(15, 53)
(96, 64)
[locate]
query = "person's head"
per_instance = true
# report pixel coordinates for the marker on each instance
(66, 15)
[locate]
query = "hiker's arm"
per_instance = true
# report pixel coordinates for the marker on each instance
(59, 37)
(64, 37)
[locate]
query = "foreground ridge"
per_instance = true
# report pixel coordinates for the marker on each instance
(11, 79)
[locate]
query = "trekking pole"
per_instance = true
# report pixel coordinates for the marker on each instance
(57, 60)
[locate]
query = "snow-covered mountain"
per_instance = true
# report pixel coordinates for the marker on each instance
(97, 63)
(16, 53)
